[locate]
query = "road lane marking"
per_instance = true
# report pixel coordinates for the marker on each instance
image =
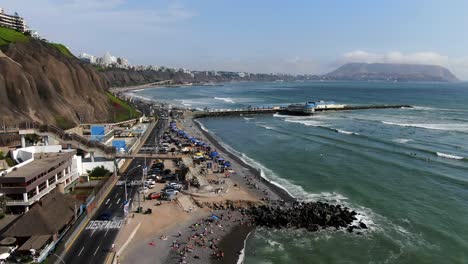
(106, 232)
(107, 201)
(118, 201)
(98, 225)
(96, 251)
(117, 194)
(79, 254)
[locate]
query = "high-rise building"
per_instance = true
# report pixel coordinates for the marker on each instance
(12, 21)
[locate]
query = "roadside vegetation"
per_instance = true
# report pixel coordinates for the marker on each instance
(122, 110)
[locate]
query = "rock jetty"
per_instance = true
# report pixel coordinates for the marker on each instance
(311, 216)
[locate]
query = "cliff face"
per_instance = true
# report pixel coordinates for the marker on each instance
(121, 77)
(391, 71)
(39, 82)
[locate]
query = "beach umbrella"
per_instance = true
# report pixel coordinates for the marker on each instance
(214, 217)
(227, 164)
(213, 154)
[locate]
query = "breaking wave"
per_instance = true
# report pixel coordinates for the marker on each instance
(445, 127)
(225, 99)
(363, 214)
(346, 132)
(449, 156)
(402, 140)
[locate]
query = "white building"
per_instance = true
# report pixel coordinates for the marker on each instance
(40, 170)
(12, 21)
(88, 58)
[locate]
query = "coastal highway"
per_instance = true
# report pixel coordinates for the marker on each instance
(94, 243)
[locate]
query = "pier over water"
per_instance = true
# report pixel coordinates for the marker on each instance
(284, 110)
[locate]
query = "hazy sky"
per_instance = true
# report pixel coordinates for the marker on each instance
(258, 35)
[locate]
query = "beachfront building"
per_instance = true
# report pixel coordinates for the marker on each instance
(40, 170)
(12, 21)
(38, 231)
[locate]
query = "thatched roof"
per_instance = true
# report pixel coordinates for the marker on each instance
(47, 217)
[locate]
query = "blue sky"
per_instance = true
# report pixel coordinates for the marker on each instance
(258, 36)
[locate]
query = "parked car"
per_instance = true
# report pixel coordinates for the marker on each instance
(151, 185)
(171, 192)
(150, 181)
(154, 195)
(144, 189)
(174, 185)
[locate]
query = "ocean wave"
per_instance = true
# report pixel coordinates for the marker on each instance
(345, 132)
(225, 99)
(449, 156)
(364, 214)
(184, 102)
(402, 140)
(249, 118)
(203, 127)
(428, 108)
(445, 127)
(241, 258)
(266, 127)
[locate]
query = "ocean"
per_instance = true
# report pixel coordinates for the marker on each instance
(405, 171)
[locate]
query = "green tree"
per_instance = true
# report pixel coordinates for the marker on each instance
(99, 171)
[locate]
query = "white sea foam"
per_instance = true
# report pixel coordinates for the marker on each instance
(263, 126)
(402, 140)
(184, 102)
(249, 118)
(427, 108)
(202, 126)
(364, 215)
(225, 99)
(241, 258)
(346, 132)
(445, 127)
(449, 156)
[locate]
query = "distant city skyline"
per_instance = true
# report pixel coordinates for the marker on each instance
(296, 37)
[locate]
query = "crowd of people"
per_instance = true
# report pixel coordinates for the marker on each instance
(203, 237)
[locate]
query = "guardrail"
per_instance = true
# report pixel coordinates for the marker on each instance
(60, 133)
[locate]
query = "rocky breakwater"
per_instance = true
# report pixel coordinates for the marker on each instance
(312, 216)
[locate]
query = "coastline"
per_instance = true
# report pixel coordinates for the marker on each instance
(156, 85)
(283, 194)
(231, 238)
(234, 241)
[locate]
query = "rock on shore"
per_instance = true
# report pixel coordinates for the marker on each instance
(312, 216)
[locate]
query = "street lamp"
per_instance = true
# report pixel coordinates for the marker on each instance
(126, 174)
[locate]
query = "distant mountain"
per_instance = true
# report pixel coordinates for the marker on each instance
(391, 72)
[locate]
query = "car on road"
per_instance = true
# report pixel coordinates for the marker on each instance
(154, 195)
(174, 185)
(171, 192)
(151, 185)
(150, 181)
(105, 216)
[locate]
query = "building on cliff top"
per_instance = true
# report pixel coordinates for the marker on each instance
(12, 21)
